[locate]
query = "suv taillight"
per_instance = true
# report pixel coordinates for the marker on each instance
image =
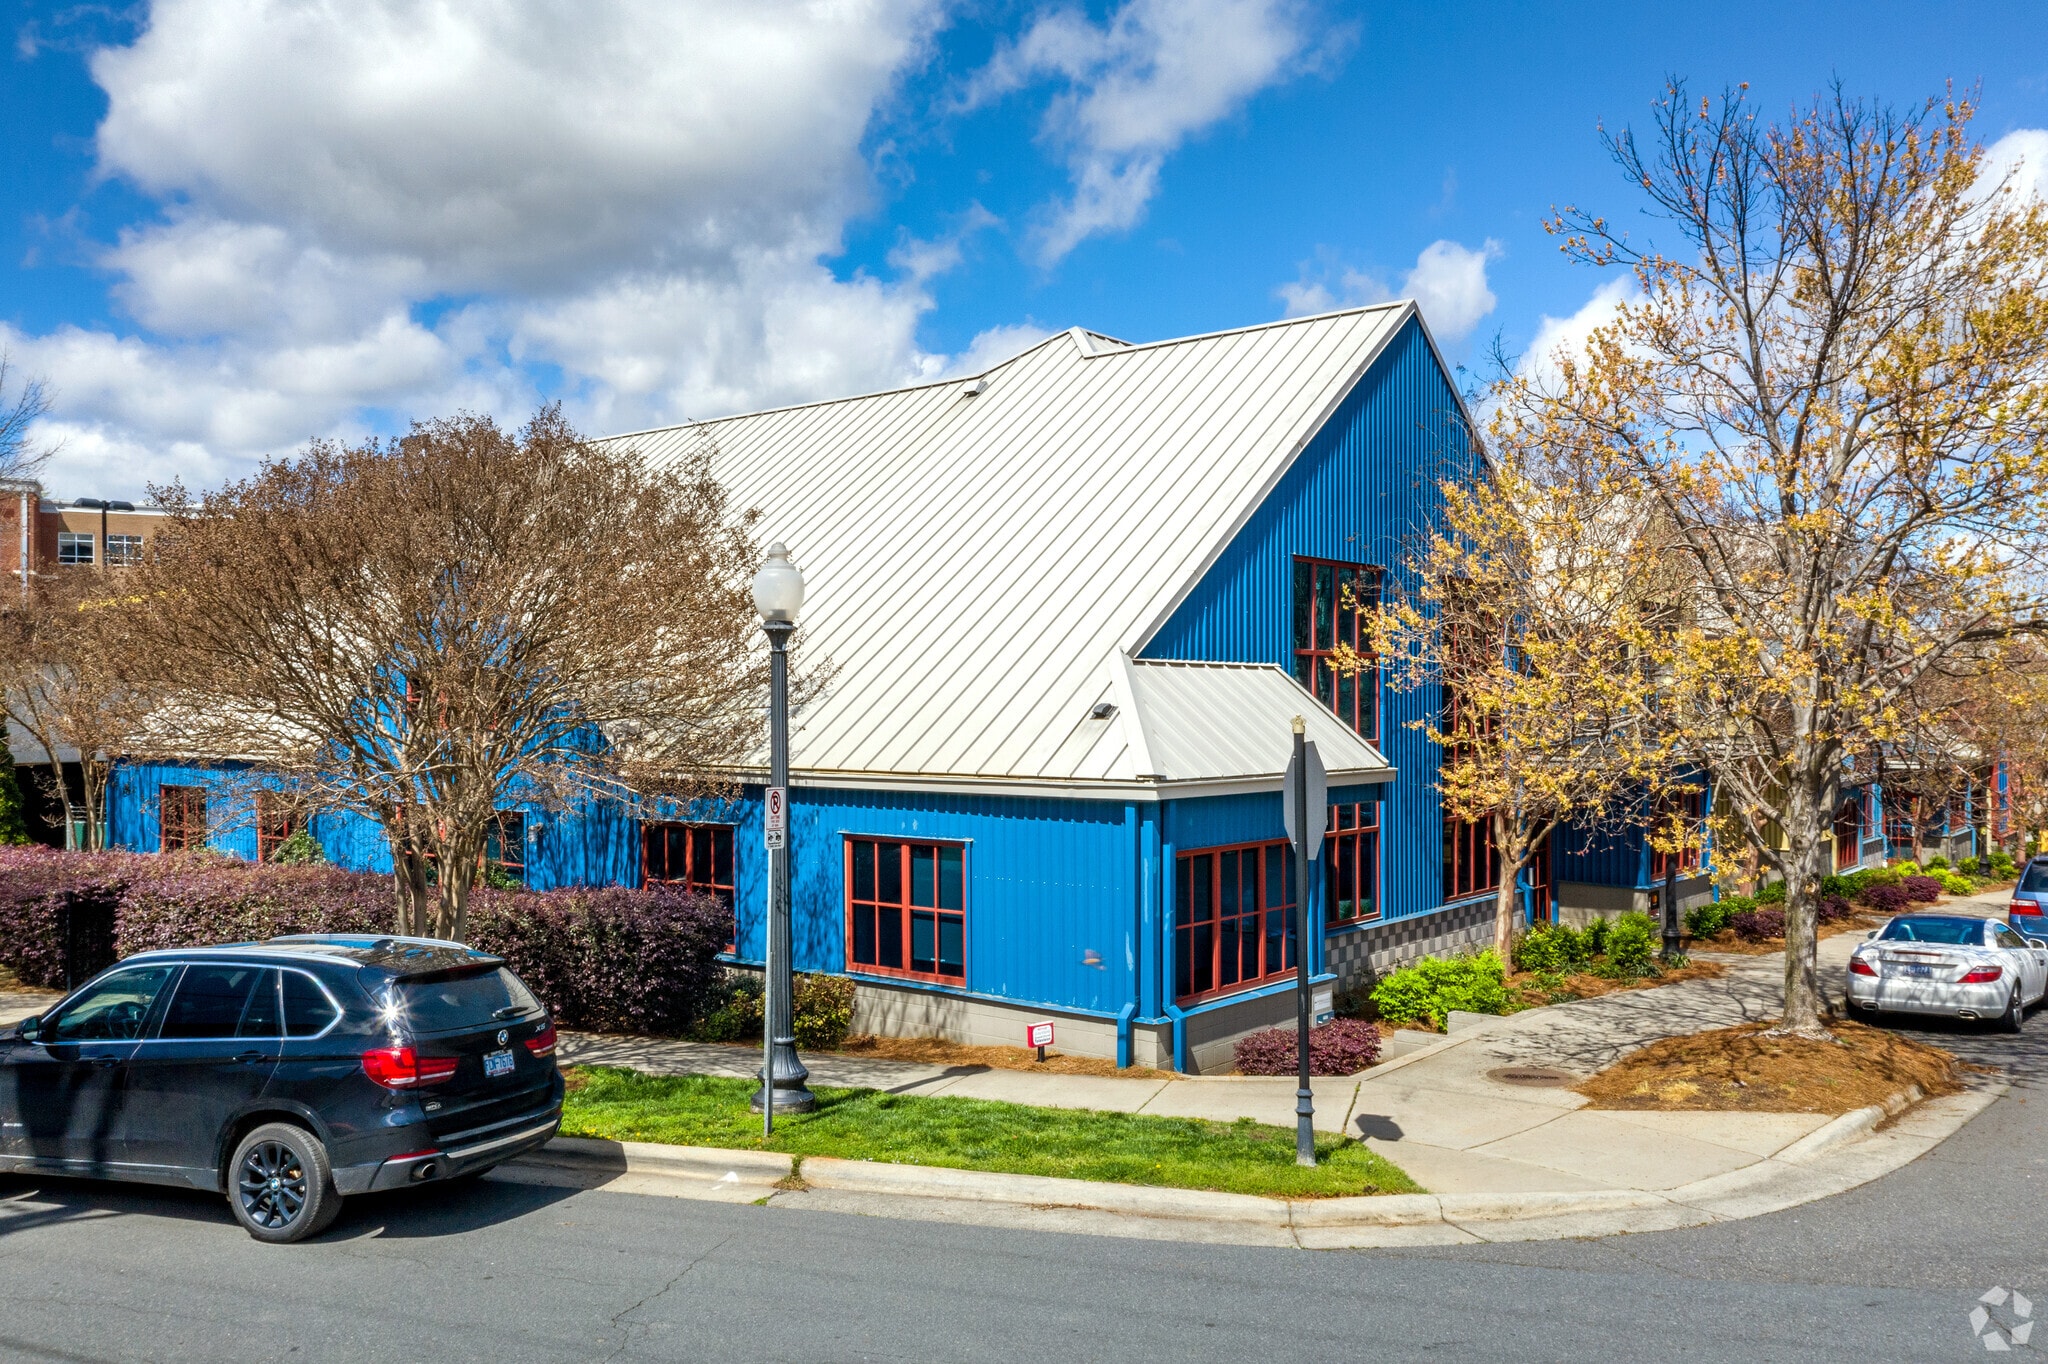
(1981, 975)
(404, 1068)
(542, 1043)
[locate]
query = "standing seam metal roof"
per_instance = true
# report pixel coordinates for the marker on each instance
(978, 565)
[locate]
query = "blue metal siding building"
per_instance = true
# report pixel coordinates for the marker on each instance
(1129, 518)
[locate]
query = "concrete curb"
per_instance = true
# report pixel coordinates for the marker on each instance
(1793, 1176)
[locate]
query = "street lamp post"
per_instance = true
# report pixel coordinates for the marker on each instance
(778, 593)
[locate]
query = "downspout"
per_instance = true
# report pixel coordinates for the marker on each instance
(1134, 957)
(25, 543)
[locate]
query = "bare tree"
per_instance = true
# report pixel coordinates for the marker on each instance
(1834, 390)
(429, 629)
(68, 681)
(21, 457)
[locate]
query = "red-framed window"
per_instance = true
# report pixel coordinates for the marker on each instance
(1351, 864)
(1849, 832)
(181, 818)
(1542, 895)
(505, 845)
(1898, 827)
(1471, 864)
(1322, 621)
(1233, 922)
(1691, 806)
(906, 909)
(695, 856)
(276, 821)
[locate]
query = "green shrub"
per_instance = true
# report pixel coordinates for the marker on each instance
(1595, 935)
(1905, 866)
(1969, 866)
(2002, 865)
(13, 820)
(1935, 864)
(1434, 986)
(1555, 948)
(735, 1012)
(1848, 887)
(1629, 945)
(1956, 884)
(1772, 894)
(822, 1009)
(1882, 876)
(302, 850)
(1704, 921)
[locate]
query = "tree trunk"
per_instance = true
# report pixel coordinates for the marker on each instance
(1812, 807)
(409, 882)
(1507, 898)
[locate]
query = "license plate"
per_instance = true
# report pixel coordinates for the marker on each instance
(1917, 972)
(497, 1063)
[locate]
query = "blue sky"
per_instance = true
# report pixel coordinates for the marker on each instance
(232, 226)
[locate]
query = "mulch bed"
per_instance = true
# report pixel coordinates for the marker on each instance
(934, 1051)
(1741, 1069)
(1527, 986)
(1862, 921)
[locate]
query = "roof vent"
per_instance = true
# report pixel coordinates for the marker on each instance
(974, 388)
(1103, 710)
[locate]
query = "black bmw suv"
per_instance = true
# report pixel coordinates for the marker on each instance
(286, 1074)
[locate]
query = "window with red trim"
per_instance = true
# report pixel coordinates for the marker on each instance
(1471, 864)
(1233, 922)
(276, 822)
(1322, 621)
(1849, 833)
(1351, 864)
(505, 846)
(906, 909)
(1690, 806)
(181, 818)
(695, 856)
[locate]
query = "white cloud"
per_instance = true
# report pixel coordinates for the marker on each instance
(1557, 336)
(2022, 155)
(1448, 283)
(990, 348)
(394, 207)
(1137, 87)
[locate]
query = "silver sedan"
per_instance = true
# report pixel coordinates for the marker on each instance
(1952, 964)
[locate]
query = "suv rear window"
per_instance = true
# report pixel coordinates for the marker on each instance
(474, 1001)
(2036, 877)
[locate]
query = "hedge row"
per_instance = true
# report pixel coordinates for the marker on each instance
(611, 960)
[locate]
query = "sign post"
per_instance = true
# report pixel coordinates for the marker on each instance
(1038, 1035)
(775, 816)
(1305, 808)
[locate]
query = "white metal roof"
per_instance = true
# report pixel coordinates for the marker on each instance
(980, 555)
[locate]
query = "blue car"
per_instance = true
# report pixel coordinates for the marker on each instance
(2029, 908)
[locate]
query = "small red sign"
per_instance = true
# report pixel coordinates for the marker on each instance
(1038, 1034)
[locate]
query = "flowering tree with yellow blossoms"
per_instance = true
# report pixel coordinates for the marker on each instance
(1830, 388)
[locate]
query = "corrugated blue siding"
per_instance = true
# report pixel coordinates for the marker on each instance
(1049, 882)
(1364, 488)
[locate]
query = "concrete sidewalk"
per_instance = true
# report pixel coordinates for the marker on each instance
(1445, 1109)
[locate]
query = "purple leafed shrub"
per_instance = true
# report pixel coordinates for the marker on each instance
(1886, 899)
(43, 892)
(1830, 909)
(221, 901)
(1342, 1046)
(1922, 889)
(1758, 925)
(610, 960)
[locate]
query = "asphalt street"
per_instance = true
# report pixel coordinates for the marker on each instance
(510, 1272)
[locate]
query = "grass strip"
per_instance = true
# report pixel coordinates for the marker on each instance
(976, 1134)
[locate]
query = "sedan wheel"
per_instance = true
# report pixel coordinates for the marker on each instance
(2015, 1015)
(280, 1185)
